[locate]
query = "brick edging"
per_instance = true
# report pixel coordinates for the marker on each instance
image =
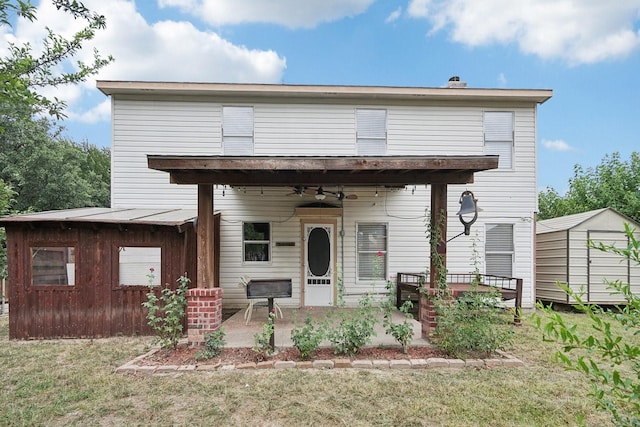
(506, 361)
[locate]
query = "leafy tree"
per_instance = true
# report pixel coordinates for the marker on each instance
(6, 199)
(614, 183)
(49, 172)
(25, 70)
(610, 360)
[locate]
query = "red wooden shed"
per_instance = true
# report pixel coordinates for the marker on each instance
(85, 272)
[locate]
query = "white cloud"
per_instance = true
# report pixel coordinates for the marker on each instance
(289, 13)
(577, 32)
(161, 51)
(393, 16)
(502, 80)
(557, 145)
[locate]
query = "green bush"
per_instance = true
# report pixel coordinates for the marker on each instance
(213, 344)
(469, 325)
(307, 338)
(355, 329)
(401, 332)
(262, 340)
(166, 313)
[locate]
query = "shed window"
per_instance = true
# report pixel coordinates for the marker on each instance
(237, 131)
(53, 265)
(498, 136)
(371, 132)
(139, 265)
(256, 241)
(372, 251)
(499, 250)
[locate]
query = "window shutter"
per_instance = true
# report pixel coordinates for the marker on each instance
(372, 240)
(499, 249)
(371, 132)
(498, 136)
(237, 130)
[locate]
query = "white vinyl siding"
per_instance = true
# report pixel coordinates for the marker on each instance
(372, 251)
(498, 136)
(237, 131)
(499, 250)
(371, 132)
(139, 265)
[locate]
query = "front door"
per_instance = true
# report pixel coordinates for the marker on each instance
(318, 264)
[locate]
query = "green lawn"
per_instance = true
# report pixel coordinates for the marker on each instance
(72, 382)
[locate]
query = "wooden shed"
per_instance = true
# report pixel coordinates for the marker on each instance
(562, 255)
(85, 272)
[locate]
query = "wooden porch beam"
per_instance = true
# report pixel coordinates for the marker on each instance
(439, 230)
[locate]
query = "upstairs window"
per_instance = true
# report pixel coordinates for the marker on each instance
(498, 136)
(372, 251)
(256, 241)
(371, 132)
(237, 131)
(499, 250)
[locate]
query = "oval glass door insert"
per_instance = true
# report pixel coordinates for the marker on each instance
(319, 252)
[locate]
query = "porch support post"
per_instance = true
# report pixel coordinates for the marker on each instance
(438, 229)
(205, 237)
(438, 252)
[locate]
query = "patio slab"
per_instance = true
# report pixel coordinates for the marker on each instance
(237, 334)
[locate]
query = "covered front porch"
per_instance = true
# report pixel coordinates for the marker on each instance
(301, 172)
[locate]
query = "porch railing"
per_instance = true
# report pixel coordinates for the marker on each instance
(510, 288)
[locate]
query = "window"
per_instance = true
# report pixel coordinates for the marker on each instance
(256, 238)
(53, 265)
(372, 251)
(135, 263)
(237, 131)
(371, 132)
(499, 250)
(498, 136)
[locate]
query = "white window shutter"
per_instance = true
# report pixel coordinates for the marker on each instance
(371, 132)
(498, 136)
(237, 131)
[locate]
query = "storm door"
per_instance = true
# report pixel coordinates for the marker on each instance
(318, 264)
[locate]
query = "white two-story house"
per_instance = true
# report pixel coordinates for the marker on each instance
(333, 185)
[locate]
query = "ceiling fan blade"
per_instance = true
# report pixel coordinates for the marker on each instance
(351, 196)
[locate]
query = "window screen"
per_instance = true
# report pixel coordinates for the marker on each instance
(498, 136)
(499, 250)
(53, 265)
(372, 251)
(371, 132)
(237, 131)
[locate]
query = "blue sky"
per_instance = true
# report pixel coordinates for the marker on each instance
(587, 51)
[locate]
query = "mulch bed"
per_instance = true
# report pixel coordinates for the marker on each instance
(184, 355)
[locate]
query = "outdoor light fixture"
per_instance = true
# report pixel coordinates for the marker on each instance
(468, 206)
(320, 194)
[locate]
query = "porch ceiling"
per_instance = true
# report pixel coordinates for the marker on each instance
(316, 170)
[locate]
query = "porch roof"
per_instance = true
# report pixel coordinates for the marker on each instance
(322, 170)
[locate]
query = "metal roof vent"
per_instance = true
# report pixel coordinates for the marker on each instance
(454, 82)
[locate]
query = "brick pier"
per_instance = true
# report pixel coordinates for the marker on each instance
(204, 313)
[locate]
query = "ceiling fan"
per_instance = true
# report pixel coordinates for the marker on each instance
(320, 193)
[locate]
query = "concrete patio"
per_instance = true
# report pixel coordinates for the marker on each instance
(237, 334)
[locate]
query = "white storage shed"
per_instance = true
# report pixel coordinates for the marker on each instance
(563, 255)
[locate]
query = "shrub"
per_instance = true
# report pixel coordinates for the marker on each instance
(166, 313)
(612, 360)
(469, 325)
(355, 329)
(401, 332)
(307, 338)
(213, 344)
(262, 340)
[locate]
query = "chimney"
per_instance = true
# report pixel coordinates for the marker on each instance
(454, 82)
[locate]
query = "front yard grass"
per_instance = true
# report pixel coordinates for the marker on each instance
(72, 382)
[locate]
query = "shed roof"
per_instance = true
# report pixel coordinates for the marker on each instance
(568, 222)
(168, 217)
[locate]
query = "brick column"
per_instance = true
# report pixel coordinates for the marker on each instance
(427, 313)
(204, 313)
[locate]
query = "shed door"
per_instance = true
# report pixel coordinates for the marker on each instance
(606, 266)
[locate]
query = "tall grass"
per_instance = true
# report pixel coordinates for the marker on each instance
(72, 382)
